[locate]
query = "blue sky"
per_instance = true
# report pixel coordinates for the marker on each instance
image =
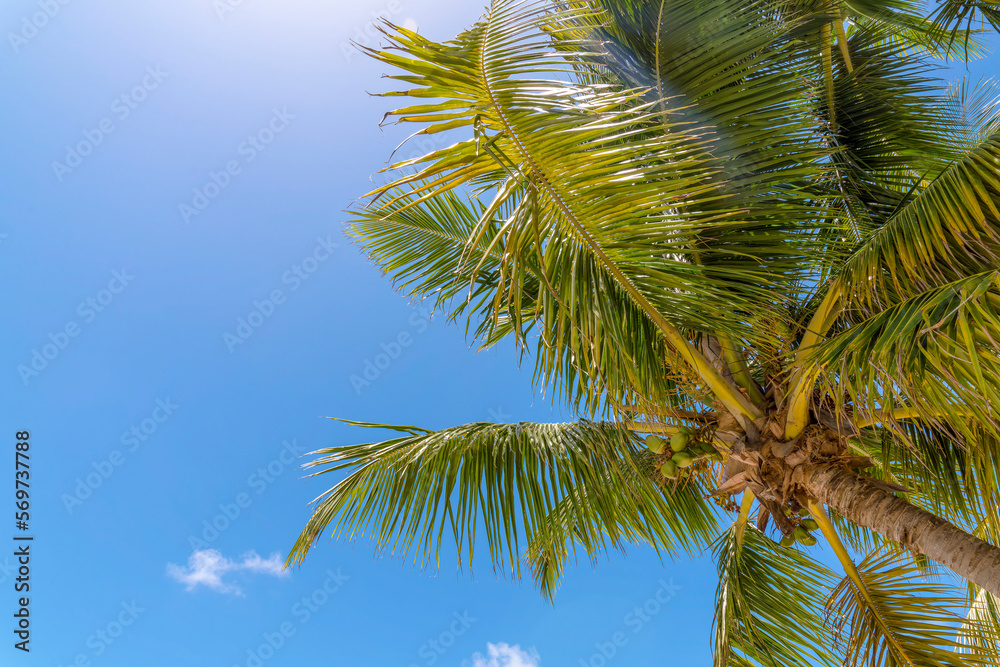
(170, 232)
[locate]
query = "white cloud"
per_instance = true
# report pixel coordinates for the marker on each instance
(207, 566)
(505, 655)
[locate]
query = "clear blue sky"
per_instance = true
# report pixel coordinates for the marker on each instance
(214, 146)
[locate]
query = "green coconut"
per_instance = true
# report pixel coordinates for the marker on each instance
(800, 533)
(679, 441)
(808, 541)
(811, 524)
(683, 459)
(787, 541)
(655, 444)
(669, 470)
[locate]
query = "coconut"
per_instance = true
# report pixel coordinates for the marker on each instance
(808, 541)
(682, 459)
(811, 524)
(787, 541)
(800, 533)
(655, 444)
(679, 441)
(669, 470)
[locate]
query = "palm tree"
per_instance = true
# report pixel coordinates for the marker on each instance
(754, 244)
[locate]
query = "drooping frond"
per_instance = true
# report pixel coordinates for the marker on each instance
(970, 114)
(769, 604)
(980, 632)
(506, 482)
(963, 18)
(627, 217)
(901, 619)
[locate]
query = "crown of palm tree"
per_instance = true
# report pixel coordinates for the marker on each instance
(763, 228)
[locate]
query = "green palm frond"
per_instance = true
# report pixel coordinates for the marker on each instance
(902, 618)
(426, 249)
(933, 354)
(970, 114)
(903, 23)
(962, 18)
(628, 230)
(449, 250)
(886, 143)
(947, 232)
(504, 481)
(769, 604)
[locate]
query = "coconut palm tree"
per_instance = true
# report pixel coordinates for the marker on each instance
(754, 245)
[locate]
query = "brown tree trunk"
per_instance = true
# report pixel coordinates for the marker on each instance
(867, 505)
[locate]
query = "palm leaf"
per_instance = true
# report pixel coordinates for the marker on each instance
(933, 354)
(949, 231)
(506, 481)
(901, 618)
(769, 604)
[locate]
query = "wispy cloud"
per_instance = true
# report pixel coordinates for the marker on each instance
(207, 567)
(505, 655)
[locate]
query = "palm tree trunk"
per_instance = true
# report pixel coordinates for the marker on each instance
(866, 504)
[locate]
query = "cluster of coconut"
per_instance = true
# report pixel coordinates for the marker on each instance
(681, 452)
(802, 533)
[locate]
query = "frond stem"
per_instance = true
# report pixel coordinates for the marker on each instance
(805, 372)
(830, 533)
(827, 56)
(726, 392)
(907, 413)
(744, 515)
(842, 43)
(736, 361)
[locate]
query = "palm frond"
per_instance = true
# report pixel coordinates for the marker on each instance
(980, 631)
(947, 232)
(901, 618)
(769, 604)
(504, 481)
(935, 353)
(624, 214)
(970, 114)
